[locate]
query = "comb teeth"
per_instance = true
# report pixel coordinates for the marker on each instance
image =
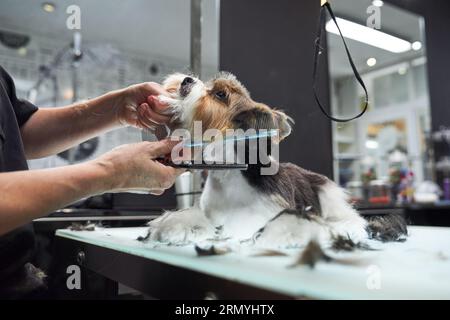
(266, 134)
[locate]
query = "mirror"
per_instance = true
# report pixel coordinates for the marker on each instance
(379, 157)
(36, 48)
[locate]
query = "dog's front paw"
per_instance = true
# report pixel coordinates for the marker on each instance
(181, 228)
(353, 228)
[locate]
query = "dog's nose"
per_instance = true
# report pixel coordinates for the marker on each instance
(186, 81)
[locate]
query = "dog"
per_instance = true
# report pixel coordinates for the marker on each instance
(283, 210)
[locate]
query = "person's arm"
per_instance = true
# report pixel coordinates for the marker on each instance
(52, 130)
(26, 195)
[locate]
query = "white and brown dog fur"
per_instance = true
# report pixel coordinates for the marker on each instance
(287, 209)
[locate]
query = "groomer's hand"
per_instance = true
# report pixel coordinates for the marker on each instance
(133, 166)
(140, 107)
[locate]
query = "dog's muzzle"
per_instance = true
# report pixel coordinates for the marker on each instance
(186, 86)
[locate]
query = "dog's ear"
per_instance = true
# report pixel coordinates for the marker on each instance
(284, 123)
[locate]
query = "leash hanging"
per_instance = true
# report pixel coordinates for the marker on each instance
(318, 51)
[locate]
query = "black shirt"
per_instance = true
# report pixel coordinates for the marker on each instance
(16, 247)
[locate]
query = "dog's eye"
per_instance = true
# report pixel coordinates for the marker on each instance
(221, 95)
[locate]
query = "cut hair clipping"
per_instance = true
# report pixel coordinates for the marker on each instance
(312, 254)
(269, 253)
(211, 251)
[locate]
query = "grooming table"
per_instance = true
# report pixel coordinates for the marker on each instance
(416, 269)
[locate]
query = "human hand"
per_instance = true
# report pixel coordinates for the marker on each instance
(140, 107)
(133, 166)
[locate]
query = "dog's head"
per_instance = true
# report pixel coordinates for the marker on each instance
(221, 103)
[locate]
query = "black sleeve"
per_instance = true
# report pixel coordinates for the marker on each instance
(23, 109)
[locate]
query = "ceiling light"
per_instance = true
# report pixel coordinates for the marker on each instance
(377, 3)
(416, 45)
(368, 36)
(48, 7)
(371, 62)
(402, 71)
(371, 144)
(22, 51)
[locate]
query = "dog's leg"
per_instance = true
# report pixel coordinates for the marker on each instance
(339, 215)
(290, 230)
(181, 227)
(337, 218)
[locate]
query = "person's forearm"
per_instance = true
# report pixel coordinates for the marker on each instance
(26, 195)
(52, 130)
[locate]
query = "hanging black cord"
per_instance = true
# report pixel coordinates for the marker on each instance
(318, 51)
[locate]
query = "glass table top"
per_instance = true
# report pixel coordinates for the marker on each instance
(416, 269)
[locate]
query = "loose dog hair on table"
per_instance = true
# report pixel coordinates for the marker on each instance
(286, 209)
